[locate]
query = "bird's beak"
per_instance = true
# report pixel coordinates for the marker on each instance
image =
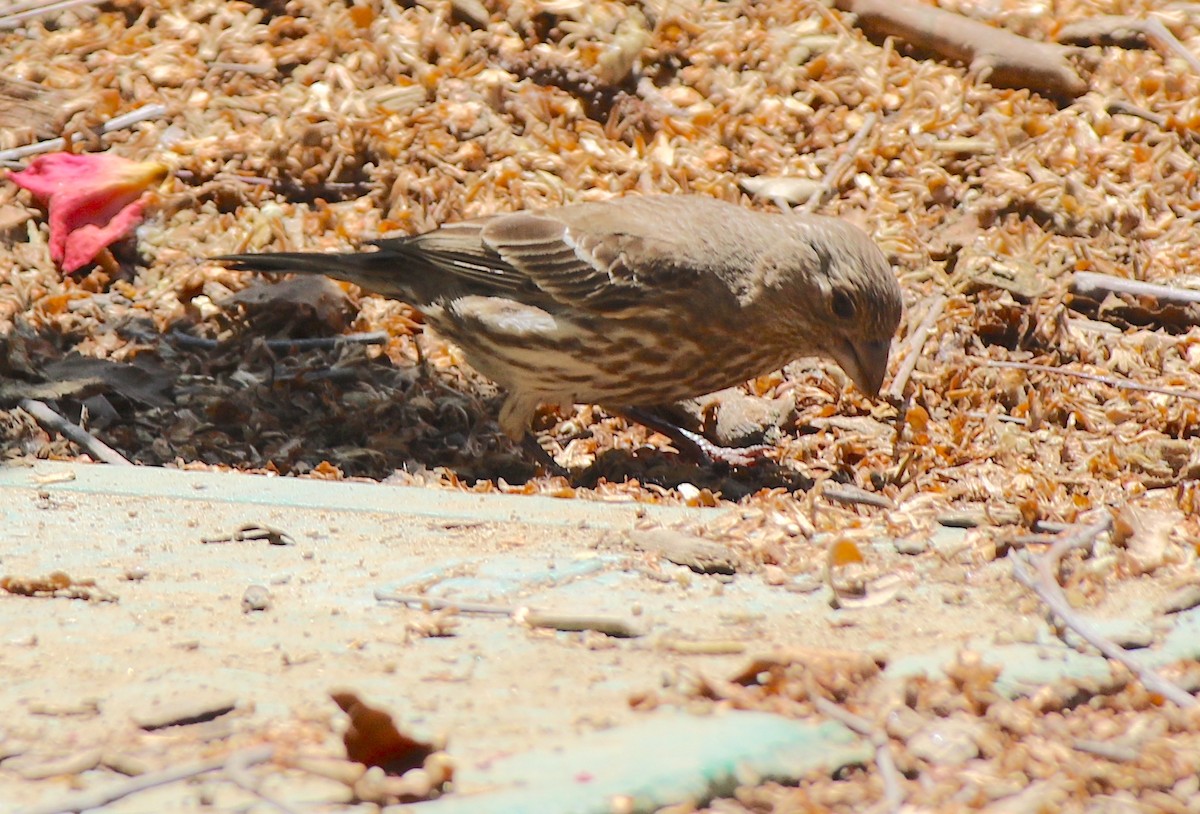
(865, 362)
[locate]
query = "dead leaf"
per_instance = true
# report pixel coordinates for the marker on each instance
(57, 584)
(302, 305)
(143, 381)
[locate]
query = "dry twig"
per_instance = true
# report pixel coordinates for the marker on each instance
(95, 798)
(997, 56)
(1129, 32)
(236, 766)
(1168, 44)
(1045, 585)
(1111, 381)
(53, 422)
(432, 603)
(152, 111)
(912, 349)
(833, 175)
(1098, 286)
(18, 13)
(854, 496)
(893, 795)
(608, 625)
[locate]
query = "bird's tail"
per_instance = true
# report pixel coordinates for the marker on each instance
(342, 266)
(373, 271)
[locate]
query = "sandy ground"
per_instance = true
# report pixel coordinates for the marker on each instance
(89, 683)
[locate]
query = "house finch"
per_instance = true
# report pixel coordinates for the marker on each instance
(633, 302)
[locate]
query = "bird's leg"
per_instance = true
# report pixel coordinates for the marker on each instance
(541, 457)
(693, 444)
(423, 370)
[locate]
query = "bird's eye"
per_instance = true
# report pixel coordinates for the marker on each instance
(843, 306)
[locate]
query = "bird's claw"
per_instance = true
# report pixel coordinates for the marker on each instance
(709, 453)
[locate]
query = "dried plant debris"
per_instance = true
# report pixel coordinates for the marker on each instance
(958, 741)
(338, 124)
(33, 108)
(57, 584)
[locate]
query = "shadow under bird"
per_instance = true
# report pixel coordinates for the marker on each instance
(634, 302)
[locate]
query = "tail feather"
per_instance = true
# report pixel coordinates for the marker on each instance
(375, 271)
(334, 265)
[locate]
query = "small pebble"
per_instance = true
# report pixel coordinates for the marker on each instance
(945, 743)
(911, 545)
(256, 598)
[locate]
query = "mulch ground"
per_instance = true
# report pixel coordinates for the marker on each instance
(314, 125)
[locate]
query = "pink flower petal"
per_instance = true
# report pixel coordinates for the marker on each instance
(93, 199)
(86, 240)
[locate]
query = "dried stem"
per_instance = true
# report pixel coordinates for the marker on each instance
(1112, 381)
(20, 12)
(53, 422)
(1168, 44)
(1098, 286)
(1045, 585)
(433, 603)
(833, 175)
(912, 349)
(893, 794)
(86, 800)
(141, 114)
(610, 626)
(999, 57)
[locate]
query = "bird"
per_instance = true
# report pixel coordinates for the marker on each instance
(633, 302)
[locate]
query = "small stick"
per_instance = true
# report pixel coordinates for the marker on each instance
(913, 346)
(437, 603)
(997, 56)
(53, 422)
(852, 495)
(306, 343)
(893, 795)
(1126, 109)
(27, 11)
(610, 626)
(570, 623)
(1095, 377)
(1010, 419)
(236, 771)
(86, 800)
(1045, 585)
(141, 114)
(1096, 286)
(1162, 39)
(830, 181)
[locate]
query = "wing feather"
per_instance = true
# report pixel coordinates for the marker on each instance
(612, 258)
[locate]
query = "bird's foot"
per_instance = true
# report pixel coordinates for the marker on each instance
(695, 446)
(542, 458)
(708, 452)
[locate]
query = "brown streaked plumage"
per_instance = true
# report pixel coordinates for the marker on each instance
(633, 301)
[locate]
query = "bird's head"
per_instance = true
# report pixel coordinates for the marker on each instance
(858, 301)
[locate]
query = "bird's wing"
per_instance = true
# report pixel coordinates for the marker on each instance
(541, 258)
(596, 266)
(458, 250)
